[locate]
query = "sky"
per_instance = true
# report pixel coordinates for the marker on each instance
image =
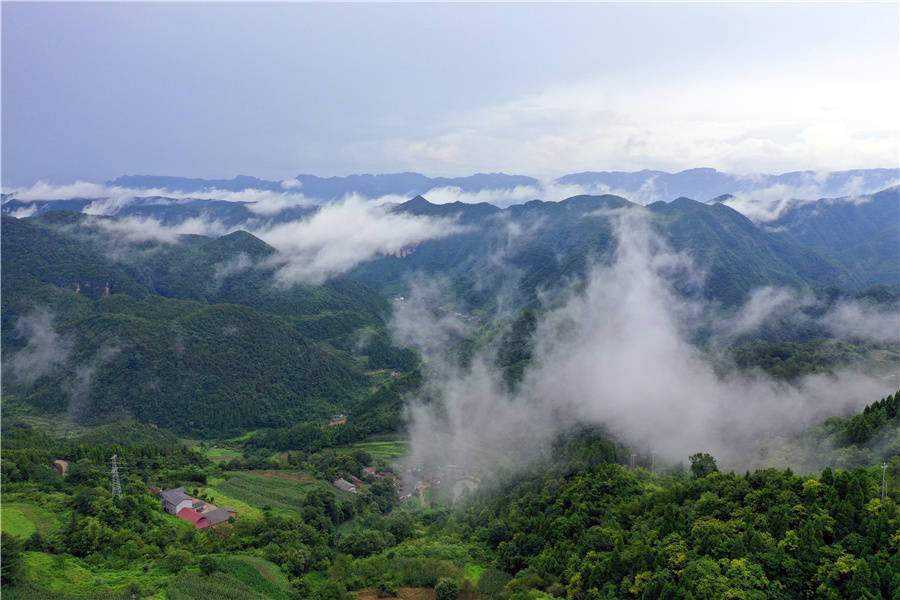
(96, 90)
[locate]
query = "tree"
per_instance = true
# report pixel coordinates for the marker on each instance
(702, 464)
(208, 565)
(12, 558)
(446, 589)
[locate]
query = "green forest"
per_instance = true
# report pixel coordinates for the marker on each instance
(579, 522)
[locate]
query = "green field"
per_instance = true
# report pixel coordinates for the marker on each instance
(62, 574)
(258, 573)
(23, 519)
(217, 452)
(383, 450)
(278, 489)
(16, 523)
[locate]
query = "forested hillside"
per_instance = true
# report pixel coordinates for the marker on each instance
(549, 244)
(98, 329)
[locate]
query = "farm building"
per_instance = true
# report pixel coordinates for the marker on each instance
(189, 514)
(344, 485)
(338, 419)
(175, 500)
(219, 515)
(198, 512)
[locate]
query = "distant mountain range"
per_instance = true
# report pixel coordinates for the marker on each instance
(642, 186)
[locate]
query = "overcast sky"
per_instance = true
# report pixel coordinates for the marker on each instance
(93, 91)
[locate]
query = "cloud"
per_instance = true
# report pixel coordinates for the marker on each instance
(136, 230)
(24, 212)
(730, 123)
(45, 351)
(615, 354)
(859, 321)
(341, 235)
(109, 200)
(237, 264)
(764, 305)
(768, 203)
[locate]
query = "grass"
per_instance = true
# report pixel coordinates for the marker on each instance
(263, 576)
(63, 574)
(219, 452)
(16, 523)
(37, 518)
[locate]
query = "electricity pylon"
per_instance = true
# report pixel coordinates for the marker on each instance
(116, 484)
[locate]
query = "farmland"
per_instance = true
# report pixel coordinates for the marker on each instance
(281, 490)
(387, 450)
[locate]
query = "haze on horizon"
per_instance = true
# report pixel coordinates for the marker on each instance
(93, 91)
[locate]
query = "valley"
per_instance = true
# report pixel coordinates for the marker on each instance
(416, 422)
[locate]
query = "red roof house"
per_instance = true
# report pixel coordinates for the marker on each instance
(189, 514)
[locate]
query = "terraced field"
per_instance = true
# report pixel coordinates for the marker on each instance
(385, 450)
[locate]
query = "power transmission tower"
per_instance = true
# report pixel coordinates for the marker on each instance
(633, 456)
(883, 471)
(116, 484)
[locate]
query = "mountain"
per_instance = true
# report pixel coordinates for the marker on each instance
(333, 188)
(550, 244)
(860, 233)
(191, 335)
(708, 184)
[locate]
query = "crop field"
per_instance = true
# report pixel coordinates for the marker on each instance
(282, 490)
(384, 450)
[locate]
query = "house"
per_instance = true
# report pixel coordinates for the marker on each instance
(344, 485)
(405, 490)
(175, 499)
(338, 419)
(198, 505)
(355, 480)
(220, 515)
(189, 514)
(369, 472)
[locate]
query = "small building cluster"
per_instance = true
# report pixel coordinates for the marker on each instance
(201, 514)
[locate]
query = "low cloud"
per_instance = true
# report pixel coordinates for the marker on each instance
(232, 266)
(45, 351)
(859, 321)
(769, 203)
(136, 230)
(110, 200)
(764, 305)
(341, 235)
(615, 355)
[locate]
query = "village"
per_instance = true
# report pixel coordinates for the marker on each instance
(414, 482)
